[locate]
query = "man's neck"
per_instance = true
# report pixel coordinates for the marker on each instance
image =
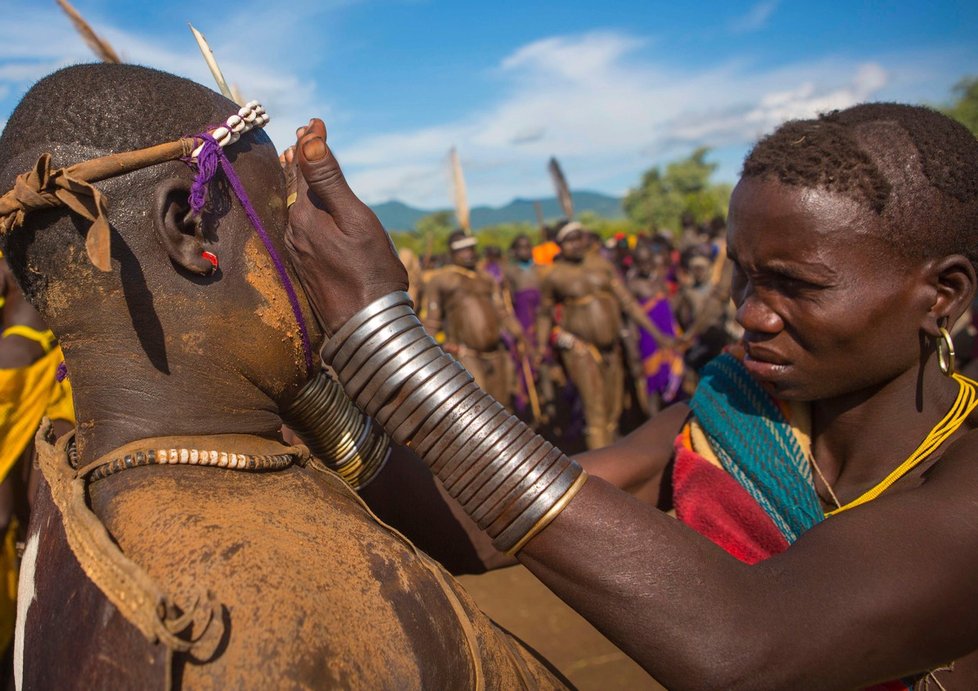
(126, 404)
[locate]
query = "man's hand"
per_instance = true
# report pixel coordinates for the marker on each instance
(343, 255)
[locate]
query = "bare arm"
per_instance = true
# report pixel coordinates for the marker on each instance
(872, 594)
(503, 301)
(433, 304)
(714, 305)
(878, 592)
(638, 463)
(634, 310)
(406, 496)
(545, 315)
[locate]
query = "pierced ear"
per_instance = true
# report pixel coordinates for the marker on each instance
(955, 282)
(178, 228)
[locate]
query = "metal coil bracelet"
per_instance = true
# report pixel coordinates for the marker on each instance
(338, 434)
(510, 480)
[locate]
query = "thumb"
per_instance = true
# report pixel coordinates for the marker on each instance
(321, 170)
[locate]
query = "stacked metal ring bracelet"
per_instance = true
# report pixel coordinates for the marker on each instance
(509, 480)
(344, 439)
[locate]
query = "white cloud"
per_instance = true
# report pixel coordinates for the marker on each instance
(601, 101)
(756, 18)
(605, 112)
(253, 43)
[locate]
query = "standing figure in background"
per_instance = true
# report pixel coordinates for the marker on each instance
(29, 392)
(662, 367)
(415, 274)
(544, 253)
(590, 298)
(521, 287)
(492, 264)
(468, 307)
(703, 308)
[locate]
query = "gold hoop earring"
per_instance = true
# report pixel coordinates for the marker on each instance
(945, 351)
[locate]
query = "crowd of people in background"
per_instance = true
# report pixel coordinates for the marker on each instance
(590, 381)
(583, 336)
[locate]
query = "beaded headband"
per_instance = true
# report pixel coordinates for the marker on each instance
(462, 243)
(47, 188)
(568, 229)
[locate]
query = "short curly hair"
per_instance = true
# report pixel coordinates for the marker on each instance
(912, 166)
(80, 112)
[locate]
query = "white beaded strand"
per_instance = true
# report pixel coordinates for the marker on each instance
(248, 117)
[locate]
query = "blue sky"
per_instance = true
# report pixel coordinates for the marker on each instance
(611, 87)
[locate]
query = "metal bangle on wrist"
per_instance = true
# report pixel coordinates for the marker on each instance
(507, 478)
(338, 434)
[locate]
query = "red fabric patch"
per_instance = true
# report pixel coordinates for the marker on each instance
(713, 503)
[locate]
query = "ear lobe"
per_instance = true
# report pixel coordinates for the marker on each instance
(956, 284)
(178, 229)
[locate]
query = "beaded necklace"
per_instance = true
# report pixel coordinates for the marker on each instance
(964, 405)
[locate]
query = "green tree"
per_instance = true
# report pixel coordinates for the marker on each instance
(965, 108)
(433, 231)
(662, 198)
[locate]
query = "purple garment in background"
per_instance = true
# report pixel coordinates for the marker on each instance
(663, 367)
(525, 304)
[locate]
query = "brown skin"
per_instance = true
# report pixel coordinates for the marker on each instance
(601, 295)
(593, 297)
(160, 255)
(518, 278)
(646, 280)
(833, 316)
(468, 305)
(16, 352)
(649, 275)
(249, 538)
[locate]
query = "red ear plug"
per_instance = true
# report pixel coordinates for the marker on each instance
(211, 257)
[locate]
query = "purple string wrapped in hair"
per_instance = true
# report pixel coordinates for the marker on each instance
(211, 158)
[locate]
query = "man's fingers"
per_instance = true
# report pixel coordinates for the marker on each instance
(321, 170)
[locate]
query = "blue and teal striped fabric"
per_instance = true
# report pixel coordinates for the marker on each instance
(756, 445)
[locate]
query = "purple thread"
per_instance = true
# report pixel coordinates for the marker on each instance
(62, 372)
(209, 159)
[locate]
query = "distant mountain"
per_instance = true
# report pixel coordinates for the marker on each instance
(397, 215)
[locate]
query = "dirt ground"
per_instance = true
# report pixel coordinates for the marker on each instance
(525, 607)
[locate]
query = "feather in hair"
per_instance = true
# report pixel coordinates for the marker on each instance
(211, 61)
(99, 45)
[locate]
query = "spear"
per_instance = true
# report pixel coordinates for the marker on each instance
(538, 210)
(563, 191)
(99, 45)
(531, 387)
(461, 198)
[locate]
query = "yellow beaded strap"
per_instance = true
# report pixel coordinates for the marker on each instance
(965, 403)
(45, 339)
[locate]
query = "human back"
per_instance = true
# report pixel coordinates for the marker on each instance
(175, 362)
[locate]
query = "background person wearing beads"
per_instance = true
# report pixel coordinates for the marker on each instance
(828, 475)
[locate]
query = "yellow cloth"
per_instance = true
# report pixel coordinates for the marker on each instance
(8, 584)
(28, 394)
(45, 339)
